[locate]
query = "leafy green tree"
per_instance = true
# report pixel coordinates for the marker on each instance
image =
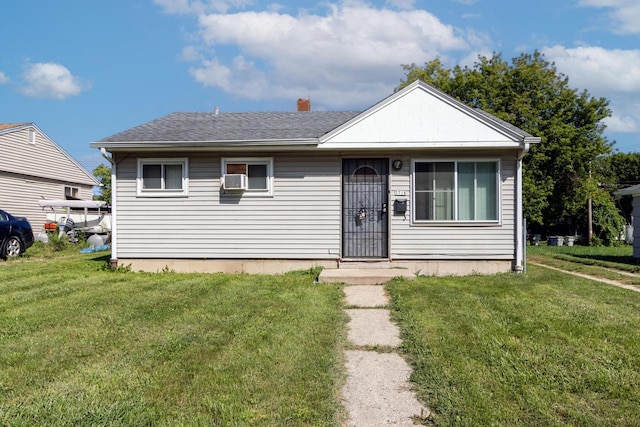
(103, 174)
(620, 170)
(531, 94)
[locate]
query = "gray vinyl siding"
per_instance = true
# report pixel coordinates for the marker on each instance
(301, 220)
(44, 159)
(19, 195)
(413, 241)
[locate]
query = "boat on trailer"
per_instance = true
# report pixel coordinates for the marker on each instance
(72, 217)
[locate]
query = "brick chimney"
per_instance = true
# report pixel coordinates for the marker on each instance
(304, 104)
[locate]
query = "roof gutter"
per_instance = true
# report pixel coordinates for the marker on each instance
(103, 151)
(204, 144)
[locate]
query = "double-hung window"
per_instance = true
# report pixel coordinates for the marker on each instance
(259, 172)
(162, 177)
(456, 191)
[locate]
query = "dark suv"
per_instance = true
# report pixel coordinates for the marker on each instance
(15, 235)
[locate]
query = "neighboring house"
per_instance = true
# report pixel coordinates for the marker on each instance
(634, 192)
(419, 180)
(33, 167)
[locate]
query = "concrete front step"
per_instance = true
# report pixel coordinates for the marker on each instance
(363, 276)
(384, 264)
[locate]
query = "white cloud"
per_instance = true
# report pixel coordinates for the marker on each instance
(625, 15)
(175, 6)
(50, 80)
(622, 124)
(200, 6)
(4, 78)
(355, 50)
(401, 4)
(190, 53)
(597, 69)
(613, 74)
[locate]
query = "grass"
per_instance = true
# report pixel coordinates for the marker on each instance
(618, 257)
(81, 345)
(614, 263)
(542, 349)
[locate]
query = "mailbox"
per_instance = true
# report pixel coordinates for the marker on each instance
(400, 206)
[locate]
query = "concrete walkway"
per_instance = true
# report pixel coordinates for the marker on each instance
(377, 391)
(363, 276)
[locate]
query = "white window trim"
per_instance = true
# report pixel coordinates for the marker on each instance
(251, 160)
(184, 192)
(454, 222)
(77, 190)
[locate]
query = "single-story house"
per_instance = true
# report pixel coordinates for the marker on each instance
(418, 180)
(634, 192)
(33, 167)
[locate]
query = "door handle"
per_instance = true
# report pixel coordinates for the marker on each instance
(384, 208)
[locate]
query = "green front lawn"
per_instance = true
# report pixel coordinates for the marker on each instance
(80, 345)
(542, 349)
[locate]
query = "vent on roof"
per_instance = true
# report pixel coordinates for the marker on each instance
(304, 104)
(216, 111)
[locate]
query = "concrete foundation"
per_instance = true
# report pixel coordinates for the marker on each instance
(275, 266)
(252, 266)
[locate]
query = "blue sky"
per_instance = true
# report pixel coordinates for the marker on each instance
(85, 69)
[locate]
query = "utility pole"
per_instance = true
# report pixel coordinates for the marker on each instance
(590, 221)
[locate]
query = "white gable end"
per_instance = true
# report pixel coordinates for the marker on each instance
(419, 115)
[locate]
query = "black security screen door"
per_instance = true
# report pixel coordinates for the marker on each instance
(364, 208)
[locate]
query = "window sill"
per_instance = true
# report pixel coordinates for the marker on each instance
(247, 194)
(156, 194)
(455, 223)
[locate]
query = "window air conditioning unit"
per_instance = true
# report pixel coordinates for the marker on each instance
(234, 181)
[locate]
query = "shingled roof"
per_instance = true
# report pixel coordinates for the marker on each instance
(250, 126)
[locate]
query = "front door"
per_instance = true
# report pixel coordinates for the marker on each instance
(364, 208)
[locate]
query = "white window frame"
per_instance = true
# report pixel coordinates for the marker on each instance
(162, 192)
(71, 191)
(268, 161)
(455, 221)
(32, 136)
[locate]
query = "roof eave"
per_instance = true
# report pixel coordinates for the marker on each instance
(634, 190)
(204, 145)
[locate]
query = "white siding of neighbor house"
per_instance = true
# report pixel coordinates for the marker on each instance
(30, 172)
(43, 159)
(19, 195)
(300, 221)
(453, 241)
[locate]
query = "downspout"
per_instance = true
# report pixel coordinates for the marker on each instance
(114, 222)
(520, 240)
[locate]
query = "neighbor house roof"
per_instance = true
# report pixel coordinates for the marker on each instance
(5, 126)
(634, 190)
